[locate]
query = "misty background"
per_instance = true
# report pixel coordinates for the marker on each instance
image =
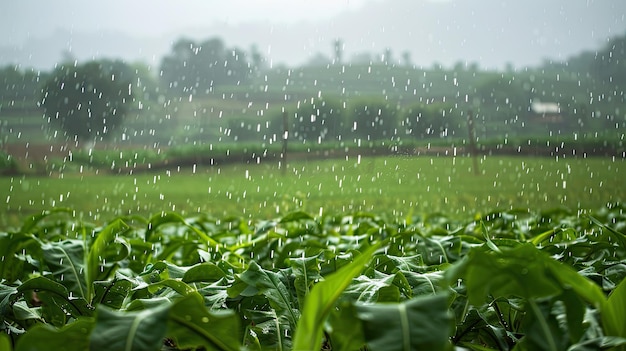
(492, 33)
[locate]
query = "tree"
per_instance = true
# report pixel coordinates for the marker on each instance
(196, 68)
(610, 63)
(318, 119)
(18, 86)
(426, 121)
(373, 118)
(87, 101)
(338, 48)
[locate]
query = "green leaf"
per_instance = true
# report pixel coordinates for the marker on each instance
(346, 329)
(306, 271)
(619, 237)
(422, 323)
(191, 325)
(11, 267)
(541, 329)
(523, 271)
(58, 295)
(295, 216)
(5, 342)
(65, 261)
(6, 296)
(174, 218)
(614, 312)
(321, 301)
(111, 293)
(24, 312)
(72, 337)
(488, 240)
(203, 272)
(271, 286)
(101, 251)
(366, 289)
(33, 221)
(176, 285)
(268, 330)
(137, 331)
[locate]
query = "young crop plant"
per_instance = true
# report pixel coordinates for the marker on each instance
(513, 280)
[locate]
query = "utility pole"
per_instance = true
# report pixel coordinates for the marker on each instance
(283, 154)
(472, 140)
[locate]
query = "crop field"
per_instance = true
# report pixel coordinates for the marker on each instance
(398, 186)
(509, 280)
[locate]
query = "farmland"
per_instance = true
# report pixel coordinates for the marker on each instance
(394, 186)
(511, 279)
(180, 228)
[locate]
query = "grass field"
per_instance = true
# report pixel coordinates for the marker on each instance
(390, 186)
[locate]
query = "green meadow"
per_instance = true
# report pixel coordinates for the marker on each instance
(395, 186)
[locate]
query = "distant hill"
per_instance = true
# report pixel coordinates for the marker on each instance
(491, 33)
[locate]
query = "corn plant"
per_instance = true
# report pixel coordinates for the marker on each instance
(513, 280)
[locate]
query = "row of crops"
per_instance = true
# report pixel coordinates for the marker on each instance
(508, 280)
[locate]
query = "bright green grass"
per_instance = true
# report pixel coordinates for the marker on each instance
(392, 186)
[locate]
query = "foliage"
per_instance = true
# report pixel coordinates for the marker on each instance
(318, 119)
(431, 121)
(87, 101)
(196, 68)
(7, 162)
(373, 119)
(508, 280)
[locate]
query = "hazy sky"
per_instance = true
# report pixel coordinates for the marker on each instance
(491, 32)
(21, 18)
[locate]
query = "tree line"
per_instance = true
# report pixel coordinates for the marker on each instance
(323, 119)
(89, 100)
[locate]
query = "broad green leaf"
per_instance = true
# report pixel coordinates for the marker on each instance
(176, 285)
(424, 283)
(6, 295)
(65, 260)
(136, 331)
(321, 300)
(203, 272)
(24, 312)
(295, 216)
(542, 332)
(422, 323)
(522, 271)
(31, 223)
(390, 264)
(72, 337)
(574, 313)
(600, 343)
(367, 290)
(270, 333)
(619, 237)
(174, 218)
(5, 342)
(614, 312)
(488, 240)
(11, 267)
(306, 271)
(346, 329)
(111, 293)
(274, 289)
(191, 325)
(569, 278)
(481, 328)
(101, 252)
(57, 293)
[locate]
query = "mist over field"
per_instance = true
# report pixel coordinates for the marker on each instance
(491, 33)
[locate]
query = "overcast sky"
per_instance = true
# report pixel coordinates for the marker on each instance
(490, 32)
(21, 18)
